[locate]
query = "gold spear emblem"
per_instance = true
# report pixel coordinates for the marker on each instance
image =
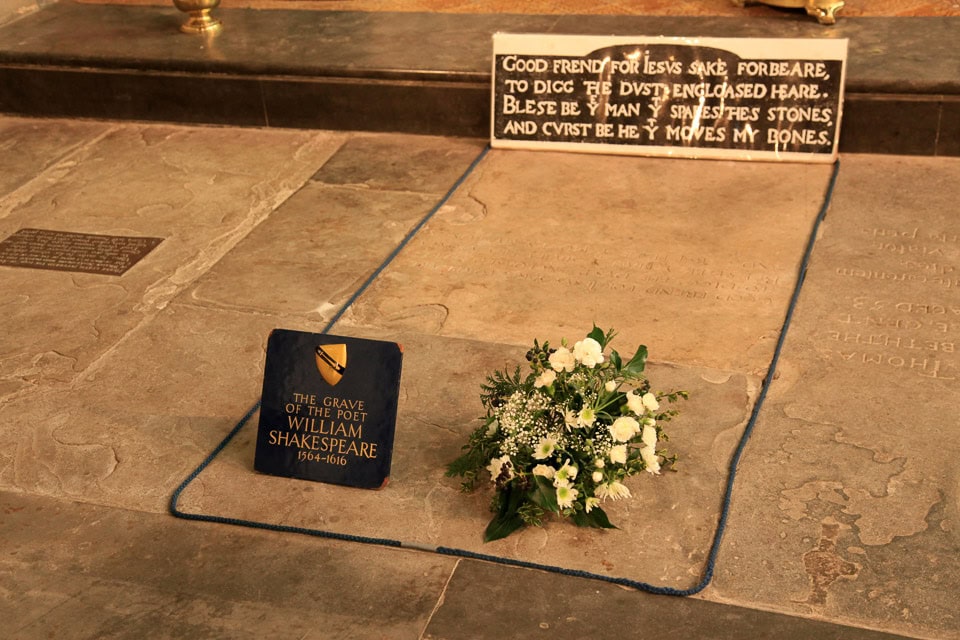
(332, 362)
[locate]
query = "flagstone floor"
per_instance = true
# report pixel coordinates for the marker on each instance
(844, 521)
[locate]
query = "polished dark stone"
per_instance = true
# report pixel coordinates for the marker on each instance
(416, 72)
(896, 124)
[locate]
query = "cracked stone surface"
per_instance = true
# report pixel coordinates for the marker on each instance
(853, 466)
(130, 576)
(134, 180)
(113, 389)
(538, 243)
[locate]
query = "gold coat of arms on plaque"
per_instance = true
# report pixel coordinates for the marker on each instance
(332, 362)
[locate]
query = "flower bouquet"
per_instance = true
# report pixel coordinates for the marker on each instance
(562, 438)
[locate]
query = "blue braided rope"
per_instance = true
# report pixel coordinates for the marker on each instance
(175, 497)
(727, 502)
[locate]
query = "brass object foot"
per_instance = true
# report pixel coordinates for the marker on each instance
(199, 19)
(825, 11)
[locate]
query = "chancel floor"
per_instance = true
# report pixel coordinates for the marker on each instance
(845, 518)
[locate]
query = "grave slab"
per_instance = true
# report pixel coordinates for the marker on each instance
(848, 501)
(330, 236)
(663, 532)
(86, 572)
(696, 261)
(200, 190)
(32, 149)
(530, 603)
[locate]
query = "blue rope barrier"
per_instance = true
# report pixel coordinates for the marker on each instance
(726, 503)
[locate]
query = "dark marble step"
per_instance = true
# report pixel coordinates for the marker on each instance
(417, 72)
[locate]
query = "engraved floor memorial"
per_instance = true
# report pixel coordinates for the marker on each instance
(114, 388)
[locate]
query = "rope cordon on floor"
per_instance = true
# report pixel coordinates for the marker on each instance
(707, 574)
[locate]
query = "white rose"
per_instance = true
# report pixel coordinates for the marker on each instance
(650, 401)
(588, 352)
(618, 454)
(562, 360)
(649, 436)
(597, 476)
(624, 428)
(544, 470)
(546, 378)
(651, 460)
(635, 403)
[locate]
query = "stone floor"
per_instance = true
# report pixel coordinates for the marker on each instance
(844, 521)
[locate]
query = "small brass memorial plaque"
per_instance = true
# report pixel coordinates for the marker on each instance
(329, 408)
(78, 252)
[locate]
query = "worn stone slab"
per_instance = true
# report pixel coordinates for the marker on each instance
(327, 238)
(530, 603)
(697, 261)
(201, 190)
(130, 432)
(11, 10)
(853, 469)
(31, 150)
(664, 532)
(80, 571)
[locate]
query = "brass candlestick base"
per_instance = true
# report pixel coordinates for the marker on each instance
(825, 11)
(198, 19)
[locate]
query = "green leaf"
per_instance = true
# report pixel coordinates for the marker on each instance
(501, 526)
(638, 362)
(600, 517)
(615, 359)
(545, 495)
(596, 519)
(598, 335)
(507, 519)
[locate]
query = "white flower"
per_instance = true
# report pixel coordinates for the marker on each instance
(492, 429)
(565, 474)
(613, 490)
(598, 463)
(649, 422)
(544, 470)
(497, 465)
(611, 386)
(649, 436)
(597, 476)
(650, 459)
(589, 352)
(590, 504)
(545, 449)
(566, 496)
(562, 360)
(618, 454)
(570, 418)
(546, 378)
(587, 417)
(650, 401)
(635, 403)
(624, 428)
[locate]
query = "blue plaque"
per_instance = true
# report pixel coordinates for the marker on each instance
(329, 408)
